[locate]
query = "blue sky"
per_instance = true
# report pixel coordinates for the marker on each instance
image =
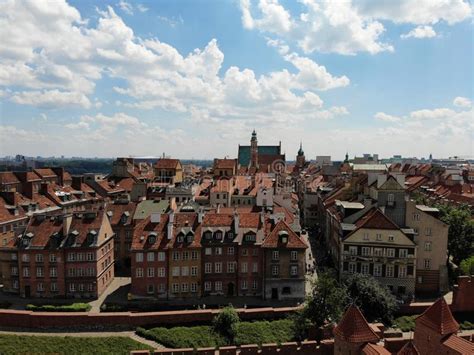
(193, 78)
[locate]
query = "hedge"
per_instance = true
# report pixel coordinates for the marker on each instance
(75, 307)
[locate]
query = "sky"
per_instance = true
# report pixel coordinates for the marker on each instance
(193, 78)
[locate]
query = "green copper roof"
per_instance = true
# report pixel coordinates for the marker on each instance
(147, 207)
(244, 152)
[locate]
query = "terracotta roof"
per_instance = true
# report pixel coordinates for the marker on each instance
(167, 164)
(31, 176)
(117, 211)
(225, 163)
(45, 173)
(83, 224)
(409, 349)
(42, 229)
(459, 345)
(373, 349)
(439, 318)
(8, 214)
(273, 240)
(185, 221)
(109, 187)
(353, 327)
(375, 219)
(217, 219)
(145, 228)
(7, 177)
(125, 183)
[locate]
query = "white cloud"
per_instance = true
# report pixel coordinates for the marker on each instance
(142, 8)
(437, 113)
(125, 7)
(51, 99)
(349, 27)
(420, 32)
(463, 102)
(385, 117)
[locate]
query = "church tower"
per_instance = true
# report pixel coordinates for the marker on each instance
(300, 158)
(254, 150)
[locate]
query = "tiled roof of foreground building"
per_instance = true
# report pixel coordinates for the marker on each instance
(439, 318)
(353, 327)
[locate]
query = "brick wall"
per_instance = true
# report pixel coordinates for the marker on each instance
(28, 319)
(463, 300)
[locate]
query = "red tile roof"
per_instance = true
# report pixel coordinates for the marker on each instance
(225, 163)
(117, 210)
(273, 240)
(375, 219)
(45, 173)
(373, 349)
(7, 177)
(217, 219)
(409, 349)
(43, 229)
(353, 327)
(167, 163)
(439, 318)
(459, 345)
(83, 224)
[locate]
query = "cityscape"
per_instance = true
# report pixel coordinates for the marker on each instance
(218, 178)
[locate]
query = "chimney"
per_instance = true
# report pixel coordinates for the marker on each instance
(67, 219)
(170, 225)
(236, 222)
(218, 208)
(10, 197)
(200, 215)
(77, 180)
(44, 188)
(155, 217)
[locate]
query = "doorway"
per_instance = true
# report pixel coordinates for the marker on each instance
(274, 293)
(27, 291)
(230, 289)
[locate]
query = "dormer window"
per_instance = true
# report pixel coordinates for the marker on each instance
(208, 235)
(180, 238)
(90, 237)
(189, 237)
(230, 234)
(218, 235)
(250, 237)
(152, 238)
(123, 219)
(283, 236)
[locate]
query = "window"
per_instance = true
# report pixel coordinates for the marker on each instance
(255, 284)
(39, 258)
(90, 271)
(161, 288)
(176, 255)
(378, 252)
(275, 255)
(185, 255)
(39, 272)
(207, 286)
(427, 263)
(208, 235)
(230, 251)
(245, 252)
(139, 272)
(161, 256)
(161, 272)
(90, 287)
(72, 287)
(26, 272)
(175, 288)
(275, 270)
(53, 272)
(194, 255)
(352, 250)
(391, 238)
(208, 251)
(416, 217)
(175, 271)
(218, 251)
(150, 288)
(184, 287)
(52, 258)
(390, 199)
(139, 257)
(208, 268)
(294, 255)
(14, 270)
(402, 253)
(218, 235)
(365, 269)
(80, 256)
(194, 287)
(218, 285)
(14, 256)
(378, 270)
(250, 237)
(428, 231)
(40, 287)
(366, 236)
(218, 268)
(427, 246)
(185, 271)
(15, 284)
(81, 287)
(90, 256)
(231, 267)
(25, 258)
(194, 270)
(255, 267)
(402, 271)
(378, 237)
(150, 256)
(244, 267)
(255, 252)
(71, 257)
(294, 270)
(391, 253)
(54, 287)
(352, 268)
(389, 271)
(150, 272)
(243, 284)
(365, 251)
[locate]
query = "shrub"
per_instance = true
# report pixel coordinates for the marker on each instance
(75, 307)
(405, 323)
(467, 266)
(184, 337)
(467, 325)
(225, 323)
(263, 332)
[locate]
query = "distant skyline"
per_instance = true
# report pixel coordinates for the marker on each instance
(194, 78)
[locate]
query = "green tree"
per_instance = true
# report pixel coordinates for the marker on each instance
(225, 322)
(374, 300)
(461, 231)
(467, 266)
(326, 303)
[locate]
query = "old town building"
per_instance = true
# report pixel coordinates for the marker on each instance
(168, 171)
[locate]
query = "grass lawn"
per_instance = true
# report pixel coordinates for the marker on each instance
(260, 332)
(19, 344)
(407, 323)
